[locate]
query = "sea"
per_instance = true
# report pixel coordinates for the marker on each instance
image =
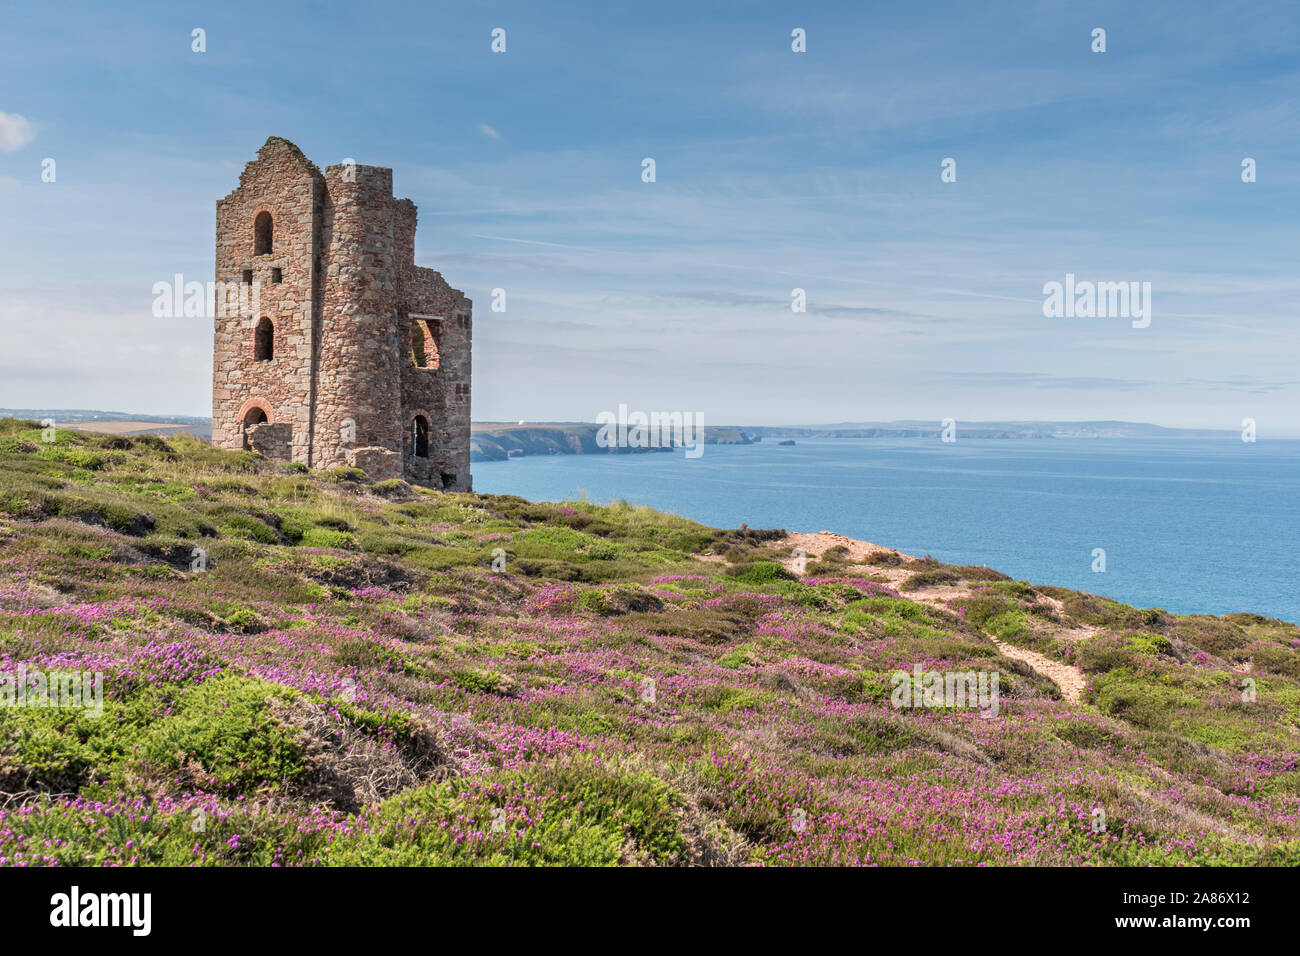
(1189, 525)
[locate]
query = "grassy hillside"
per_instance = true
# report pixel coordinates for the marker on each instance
(349, 681)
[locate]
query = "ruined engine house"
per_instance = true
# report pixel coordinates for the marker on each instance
(341, 351)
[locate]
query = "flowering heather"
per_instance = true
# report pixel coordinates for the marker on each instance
(632, 688)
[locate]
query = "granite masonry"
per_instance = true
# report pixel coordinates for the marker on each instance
(338, 349)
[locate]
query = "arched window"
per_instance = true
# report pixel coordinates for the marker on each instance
(262, 238)
(420, 436)
(254, 416)
(264, 341)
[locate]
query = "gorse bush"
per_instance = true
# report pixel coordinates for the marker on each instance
(762, 572)
(887, 558)
(935, 577)
(587, 814)
(223, 735)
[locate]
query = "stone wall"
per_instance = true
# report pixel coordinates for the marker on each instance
(271, 440)
(377, 463)
(358, 401)
(284, 183)
(441, 394)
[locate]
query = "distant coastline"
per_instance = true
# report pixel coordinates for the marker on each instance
(501, 441)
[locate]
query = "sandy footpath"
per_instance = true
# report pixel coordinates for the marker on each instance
(1066, 676)
(815, 545)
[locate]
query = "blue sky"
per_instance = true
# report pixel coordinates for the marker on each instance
(775, 170)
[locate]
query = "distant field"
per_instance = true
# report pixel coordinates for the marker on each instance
(553, 426)
(140, 428)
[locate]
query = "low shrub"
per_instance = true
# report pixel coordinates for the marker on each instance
(761, 572)
(891, 559)
(934, 577)
(223, 734)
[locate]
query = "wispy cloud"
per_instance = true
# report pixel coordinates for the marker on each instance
(15, 132)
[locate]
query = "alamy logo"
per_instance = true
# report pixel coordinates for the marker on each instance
(103, 909)
(956, 689)
(83, 690)
(654, 430)
(1098, 300)
(198, 300)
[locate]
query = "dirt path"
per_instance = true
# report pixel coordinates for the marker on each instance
(1066, 676)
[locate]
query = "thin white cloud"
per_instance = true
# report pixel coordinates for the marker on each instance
(553, 245)
(15, 132)
(487, 130)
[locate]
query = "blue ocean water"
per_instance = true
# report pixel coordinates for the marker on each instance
(1189, 525)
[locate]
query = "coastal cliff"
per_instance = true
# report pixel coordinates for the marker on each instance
(497, 442)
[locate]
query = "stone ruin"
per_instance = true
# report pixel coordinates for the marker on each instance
(339, 350)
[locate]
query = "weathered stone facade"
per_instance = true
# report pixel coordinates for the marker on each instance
(343, 351)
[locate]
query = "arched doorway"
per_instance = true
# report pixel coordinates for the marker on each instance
(255, 411)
